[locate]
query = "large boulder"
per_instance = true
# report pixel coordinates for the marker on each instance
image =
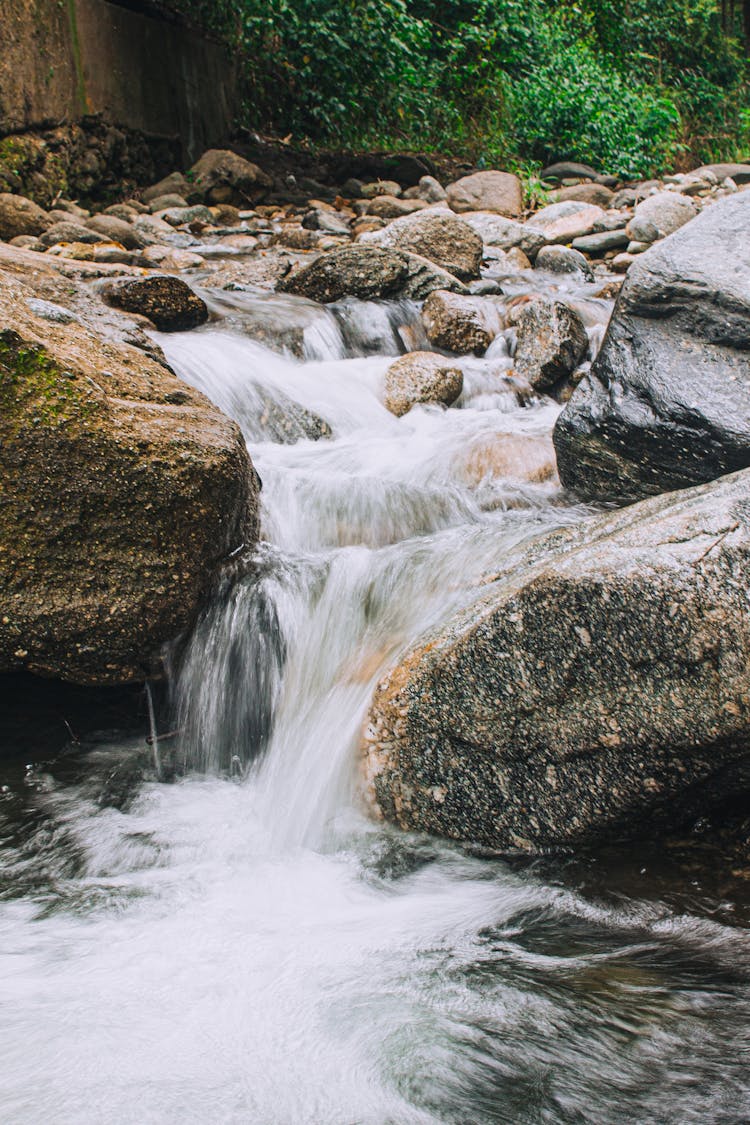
(221, 176)
(437, 235)
(167, 301)
(599, 688)
(667, 401)
(123, 492)
(500, 192)
(19, 215)
(420, 378)
(367, 272)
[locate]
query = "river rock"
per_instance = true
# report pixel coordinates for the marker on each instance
(117, 230)
(563, 259)
(388, 207)
(431, 190)
(69, 232)
(19, 215)
(505, 234)
(500, 192)
(597, 245)
(221, 176)
(168, 302)
(551, 342)
(368, 272)
(438, 235)
(595, 194)
(173, 184)
(568, 170)
(460, 324)
(561, 226)
(123, 491)
(421, 377)
(659, 215)
(182, 216)
(380, 187)
(598, 689)
(740, 173)
(667, 401)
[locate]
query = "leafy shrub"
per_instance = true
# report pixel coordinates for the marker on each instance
(574, 106)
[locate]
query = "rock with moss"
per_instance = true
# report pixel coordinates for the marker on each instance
(123, 491)
(598, 687)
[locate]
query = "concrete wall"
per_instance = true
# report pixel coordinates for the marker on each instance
(63, 59)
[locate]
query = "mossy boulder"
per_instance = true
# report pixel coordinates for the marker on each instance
(122, 491)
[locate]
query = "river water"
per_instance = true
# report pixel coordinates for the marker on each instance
(229, 935)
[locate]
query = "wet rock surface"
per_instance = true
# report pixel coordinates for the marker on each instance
(552, 341)
(421, 377)
(124, 491)
(598, 689)
(460, 324)
(667, 401)
(168, 302)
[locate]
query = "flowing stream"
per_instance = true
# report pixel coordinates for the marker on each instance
(246, 943)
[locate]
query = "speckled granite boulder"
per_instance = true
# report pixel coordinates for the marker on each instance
(421, 377)
(552, 341)
(368, 272)
(460, 324)
(122, 492)
(667, 401)
(599, 687)
(167, 301)
(437, 235)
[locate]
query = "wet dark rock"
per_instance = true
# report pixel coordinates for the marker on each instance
(168, 302)
(568, 170)
(421, 377)
(599, 688)
(667, 401)
(285, 421)
(124, 492)
(552, 341)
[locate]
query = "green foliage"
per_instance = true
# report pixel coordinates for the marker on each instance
(574, 106)
(629, 87)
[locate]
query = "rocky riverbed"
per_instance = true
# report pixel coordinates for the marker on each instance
(424, 514)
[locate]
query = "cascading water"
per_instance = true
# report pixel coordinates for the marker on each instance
(246, 945)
